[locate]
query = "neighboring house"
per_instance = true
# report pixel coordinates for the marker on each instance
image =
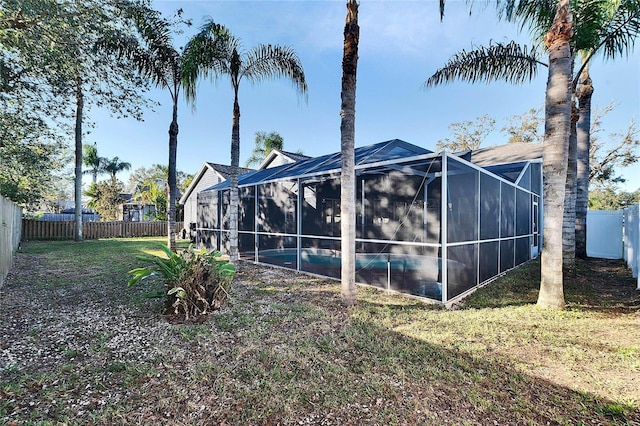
(433, 225)
(134, 211)
(277, 158)
(210, 174)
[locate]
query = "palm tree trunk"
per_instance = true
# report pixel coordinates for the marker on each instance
(555, 154)
(347, 133)
(171, 197)
(235, 162)
(569, 224)
(77, 229)
(583, 135)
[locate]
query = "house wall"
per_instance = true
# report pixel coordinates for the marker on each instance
(208, 179)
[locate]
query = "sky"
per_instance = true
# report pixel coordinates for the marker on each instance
(402, 43)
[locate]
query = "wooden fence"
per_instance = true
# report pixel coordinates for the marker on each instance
(42, 230)
(10, 221)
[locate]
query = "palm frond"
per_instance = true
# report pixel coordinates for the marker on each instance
(207, 54)
(589, 17)
(154, 30)
(534, 15)
(512, 63)
(151, 51)
(619, 35)
(129, 47)
(267, 61)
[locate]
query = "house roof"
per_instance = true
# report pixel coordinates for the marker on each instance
(289, 157)
(221, 170)
(506, 154)
(369, 154)
(507, 161)
(225, 171)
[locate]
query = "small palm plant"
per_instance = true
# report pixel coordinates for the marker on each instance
(197, 281)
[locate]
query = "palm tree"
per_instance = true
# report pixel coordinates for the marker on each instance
(555, 153)
(604, 26)
(347, 135)
(155, 57)
(265, 143)
(91, 159)
(150, 192)
(584, 92)
(115, 166)
(79, 108)
(214, 52)
(601, 27)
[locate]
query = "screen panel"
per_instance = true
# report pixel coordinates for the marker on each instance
(462, 269)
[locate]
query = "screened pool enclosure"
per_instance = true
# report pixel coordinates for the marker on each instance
(430, 225)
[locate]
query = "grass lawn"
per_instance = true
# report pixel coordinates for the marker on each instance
(78, 346)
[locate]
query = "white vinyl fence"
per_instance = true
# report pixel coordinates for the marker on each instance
(632, 239)
(615, 234)
(10, 231)
(604, 234)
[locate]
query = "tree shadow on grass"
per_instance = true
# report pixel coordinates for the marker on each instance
(453, 386)
(600, 285)
(304, 360)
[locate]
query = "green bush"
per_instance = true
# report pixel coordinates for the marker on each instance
(196, 281)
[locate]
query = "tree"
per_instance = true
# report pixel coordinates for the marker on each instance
(156, 173)
(555, 154)
(616, 36)
(608, 197)
(114, 166)
(91, 159)
(153, 54)
(150, 185)
(33, 155)
(265, 143)
(214, 52)
(33, 160)
(54, 45)
(608, 155)
(524, 128)
(27, 172)
(584, 92)
(105, 199)
(600, 26)
(347, 136)
(467, 135)
(153, 192)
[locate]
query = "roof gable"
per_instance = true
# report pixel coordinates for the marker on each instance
(221, 170)
(277, 157)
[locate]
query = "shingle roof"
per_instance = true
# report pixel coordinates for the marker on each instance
(295, 156)
(225, 170)
(509, 153)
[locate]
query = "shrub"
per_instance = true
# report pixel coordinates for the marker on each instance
(196, 281)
